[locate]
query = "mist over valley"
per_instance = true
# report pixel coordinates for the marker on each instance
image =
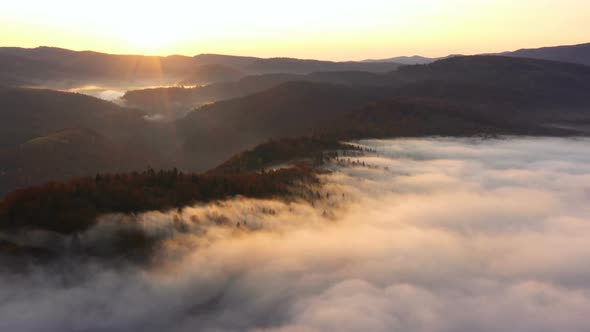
(187, 166)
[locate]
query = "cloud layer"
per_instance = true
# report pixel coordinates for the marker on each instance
(428, 235)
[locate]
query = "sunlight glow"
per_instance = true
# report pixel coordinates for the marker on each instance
(306, 28)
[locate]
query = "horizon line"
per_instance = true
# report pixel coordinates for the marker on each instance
(285, 57)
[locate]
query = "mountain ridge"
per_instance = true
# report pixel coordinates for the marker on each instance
(575, 53)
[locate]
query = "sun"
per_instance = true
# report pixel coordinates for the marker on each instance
(150, 38)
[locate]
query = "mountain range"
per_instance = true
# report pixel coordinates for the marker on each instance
(53, 135)
(579, 54)
(63, 69)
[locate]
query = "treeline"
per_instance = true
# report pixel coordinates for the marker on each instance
(315, 149)
(72, 206)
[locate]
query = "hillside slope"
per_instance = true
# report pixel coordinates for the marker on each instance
(579, 54)
(216, 131)
(47, 134)
(175, 102)
(514, 92)
(65, 154)
(500, 84)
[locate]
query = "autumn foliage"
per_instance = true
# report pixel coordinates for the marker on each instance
(69, 207)
(276, 151)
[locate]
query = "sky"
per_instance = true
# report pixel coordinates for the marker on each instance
(334, 30)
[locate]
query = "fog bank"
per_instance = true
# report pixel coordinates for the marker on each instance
(422, 235)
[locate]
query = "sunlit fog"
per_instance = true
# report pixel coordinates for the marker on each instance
(431, 234)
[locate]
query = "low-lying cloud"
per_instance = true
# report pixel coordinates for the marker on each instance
(427, 235)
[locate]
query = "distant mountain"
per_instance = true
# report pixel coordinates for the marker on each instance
(60, 68)
(579, 54)
(214, 132)
(513, 92)
(486, 77)
(499, 84)
(413, 60)
(175, 102)
(257, 66)
(225, 60)
(573, 53)
(298, 66)
(212, 73)
(455, 96)
(407, 60)
(63, 69)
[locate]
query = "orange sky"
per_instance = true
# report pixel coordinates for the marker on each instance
(337, 30)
